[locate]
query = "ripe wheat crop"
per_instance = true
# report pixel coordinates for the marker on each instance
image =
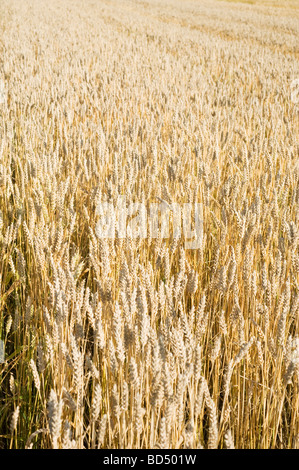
(132, 342)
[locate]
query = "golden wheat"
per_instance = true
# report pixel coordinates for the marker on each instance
(139, 342)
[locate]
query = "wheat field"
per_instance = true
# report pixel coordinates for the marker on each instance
(139, 342)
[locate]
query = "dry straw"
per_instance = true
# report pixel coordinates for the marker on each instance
(131, 342)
